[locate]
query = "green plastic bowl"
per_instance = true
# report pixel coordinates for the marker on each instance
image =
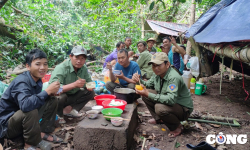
(112, 112)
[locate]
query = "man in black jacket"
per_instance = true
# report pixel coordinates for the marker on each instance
(24, 103)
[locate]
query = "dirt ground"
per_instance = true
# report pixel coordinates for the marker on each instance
(231, 103)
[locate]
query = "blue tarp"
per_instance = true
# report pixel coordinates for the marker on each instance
(227, 21)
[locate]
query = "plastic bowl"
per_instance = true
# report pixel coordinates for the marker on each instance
(106, 103)
(100, 98)
(90, 85)
(92, 114)
(112, 112)
(116, 72)
(117, 121)
(99, 108)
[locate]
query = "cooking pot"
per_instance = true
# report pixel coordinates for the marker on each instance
(126, 94)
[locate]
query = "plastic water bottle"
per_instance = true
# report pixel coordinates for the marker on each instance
(192, 85)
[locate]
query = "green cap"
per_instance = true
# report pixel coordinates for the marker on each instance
(193, 80)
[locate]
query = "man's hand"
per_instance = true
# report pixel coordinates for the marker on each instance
(173, 41)
(136, 77)
(120, 76)
(79, 83)
(109, 66)
(143, 92)
(53, 88)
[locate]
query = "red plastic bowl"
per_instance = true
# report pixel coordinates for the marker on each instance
(105, 104)
(46, 78)
(99, 98)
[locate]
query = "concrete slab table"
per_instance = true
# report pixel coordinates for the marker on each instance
(93, 135)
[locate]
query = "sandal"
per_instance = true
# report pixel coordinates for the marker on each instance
(44, 145)
(55, 138)
(74, 114)
(61, 120)
(30, 148)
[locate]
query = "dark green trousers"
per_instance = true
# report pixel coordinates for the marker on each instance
(170, 115)
(77, 101)
(27, 123)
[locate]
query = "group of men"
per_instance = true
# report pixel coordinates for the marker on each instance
(26, 110)
(164, 91)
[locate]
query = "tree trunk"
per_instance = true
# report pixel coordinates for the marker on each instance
(142, 23)
(2, 3)
(192, 19)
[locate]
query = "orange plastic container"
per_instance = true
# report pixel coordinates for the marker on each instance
(138, 87)
(46, 78)
(105, 104)
(106, 79)
(105, 97)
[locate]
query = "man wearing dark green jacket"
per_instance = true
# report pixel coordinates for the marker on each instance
(170, 102)
(144, 59)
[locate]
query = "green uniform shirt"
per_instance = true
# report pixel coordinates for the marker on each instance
(142, 61)
(173, 90)
(66, 75)
(153, 49)
(128, 49)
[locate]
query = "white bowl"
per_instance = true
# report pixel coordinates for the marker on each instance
(90, 85)
(92, 114)
(117, 121)
(116, 72)
(98, 108)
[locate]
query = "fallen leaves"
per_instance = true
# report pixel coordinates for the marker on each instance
(198, 126)
(215, 125)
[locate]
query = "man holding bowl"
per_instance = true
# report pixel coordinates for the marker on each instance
(124, 70)
(73, 76)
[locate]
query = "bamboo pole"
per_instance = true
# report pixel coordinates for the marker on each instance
(221, 72)
(231, 68)
(243, 54)
(214, 122)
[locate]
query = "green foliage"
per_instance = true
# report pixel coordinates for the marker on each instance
(13, 76)
(57, 26)
(98, 69)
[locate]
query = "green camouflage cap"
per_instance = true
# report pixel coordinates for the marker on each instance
(79, 50)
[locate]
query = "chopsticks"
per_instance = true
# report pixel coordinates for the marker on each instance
(115, 118)
(139, 79)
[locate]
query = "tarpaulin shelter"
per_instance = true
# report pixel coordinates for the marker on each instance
(227, 21)
(224, 30)
(163, 29)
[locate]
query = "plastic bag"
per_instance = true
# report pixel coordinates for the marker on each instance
(3, 88)
(193, 65)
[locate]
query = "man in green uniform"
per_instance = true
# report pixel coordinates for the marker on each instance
(144, 59)
(170, 102)
(128, 42)
(73, 75)
(151, 42)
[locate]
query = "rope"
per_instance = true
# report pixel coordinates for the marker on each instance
(216, 51)
(242, 72)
